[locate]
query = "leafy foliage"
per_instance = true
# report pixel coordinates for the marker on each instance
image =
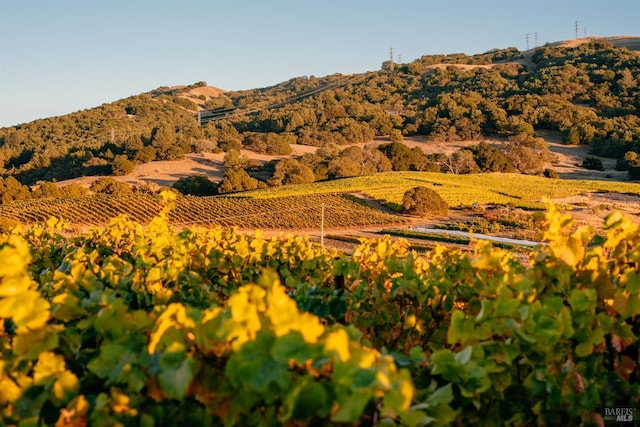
(195, 185)
(593, 163)
(134, 325)
(423, 201)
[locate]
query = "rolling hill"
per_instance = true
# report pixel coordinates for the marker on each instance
(586, 91)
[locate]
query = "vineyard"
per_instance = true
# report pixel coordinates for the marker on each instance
(140, 326)
(300, 206)
(290, 212)
(522, 191)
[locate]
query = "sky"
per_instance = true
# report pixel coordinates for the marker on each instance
(61, 56)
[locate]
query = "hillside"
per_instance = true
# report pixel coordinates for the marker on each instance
(586, 90)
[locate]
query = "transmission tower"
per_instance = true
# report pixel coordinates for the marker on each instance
(585, 31)
(536, 38)
(527, 41)
(391, 67)
(576, 29)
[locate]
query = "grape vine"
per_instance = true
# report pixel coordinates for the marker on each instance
(148, 325)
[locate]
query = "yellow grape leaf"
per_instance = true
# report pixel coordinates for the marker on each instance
(120, 403)
(49, 365)
(367, 358)
(163, 324)
(9, 390)
(27, 310)
(243, 307)
(14, 259)
(282, 309)
(13, 286)
(338, 342)
(66, 383)
(310, 327)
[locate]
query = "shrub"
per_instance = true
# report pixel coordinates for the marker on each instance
(593, 163)
(238, 180)
(550, 173)
(632, 159)
(185, 103)
(423, 201)
(110, 186)
(122, 166)
(73, 190)
(47, 190)
(146, 154)
(11, 189)
(205, 146)
(291, 171)
(196, 185)
(491, 159)
(395, 135)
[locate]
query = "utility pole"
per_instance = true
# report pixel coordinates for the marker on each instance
(527, 41)
(322, 227)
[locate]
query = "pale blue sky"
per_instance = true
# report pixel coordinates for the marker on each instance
(60, 56)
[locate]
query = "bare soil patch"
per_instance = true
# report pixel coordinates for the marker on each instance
(209, 91)
(630, 42)
(166, 172)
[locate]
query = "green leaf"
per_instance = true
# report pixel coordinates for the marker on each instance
(582, 299)
(267, 373)
(414, 418)
(363, 378)
(338, 307)
(176, 374)
(108, 364)
(417, 354)
(442, 396)
(461, 329)
(311, 400)
(351, 409)
(29, 345)
(465, 355)
(293, 347)
(506, 306)
(444, 363)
